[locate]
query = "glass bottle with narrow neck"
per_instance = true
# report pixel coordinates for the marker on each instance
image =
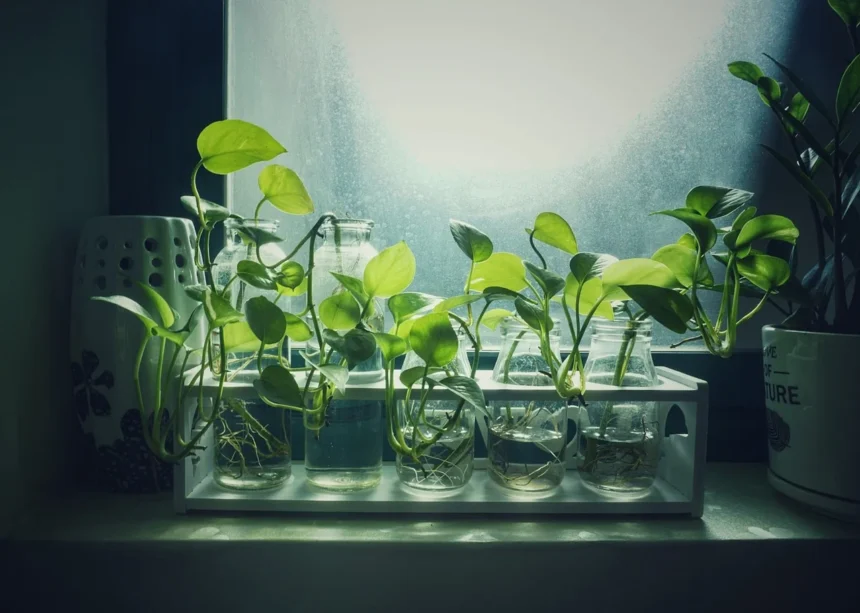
(447, 462)
(620, 441)
(526, 439)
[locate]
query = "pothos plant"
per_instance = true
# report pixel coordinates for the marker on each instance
(823, 164)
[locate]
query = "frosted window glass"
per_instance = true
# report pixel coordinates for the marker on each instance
(490, 111)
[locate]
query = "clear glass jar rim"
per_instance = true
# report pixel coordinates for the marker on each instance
(231, 223)
(620, 325)
(348, 223)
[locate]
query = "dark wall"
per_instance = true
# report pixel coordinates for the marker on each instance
(165, 83)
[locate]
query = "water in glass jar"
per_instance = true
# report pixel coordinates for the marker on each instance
(620, 461)
(526, 458)
(346, 452)
(252, 445)
(448, 463)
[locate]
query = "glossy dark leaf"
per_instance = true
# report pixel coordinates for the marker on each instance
(767, 227)
(266, 320)
(549, 282)
(475, 244)
(219, 312)
(196, 292)
(277, 387)
(255, 274)
(465, 388)
(531, 314)
(664, 305)
(848, 11)
(212, 213)
(715, 202)
(702, 227)
(255, 235)
(356, 345)
(411, 376)
(585, 265)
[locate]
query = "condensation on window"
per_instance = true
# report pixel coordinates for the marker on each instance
(490, 111)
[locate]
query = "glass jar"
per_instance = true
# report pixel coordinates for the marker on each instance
(447, 463)
(526, 439)
(619, 441)
(252, 445)
(346, 250)
(343, 451)
(242, 345)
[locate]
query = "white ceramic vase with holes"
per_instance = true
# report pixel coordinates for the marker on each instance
(113, 254)
(811, 391)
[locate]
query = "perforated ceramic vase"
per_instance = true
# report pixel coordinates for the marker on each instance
(113, 253)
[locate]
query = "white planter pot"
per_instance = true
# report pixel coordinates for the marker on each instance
(113, 252)
(812, 383)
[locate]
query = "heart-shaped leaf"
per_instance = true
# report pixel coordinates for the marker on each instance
(219, 312)
(553, 230)
(390, 271)
(266, 320)
(337, 374)
(715, 202)
(410, 376)
(301, 289)
(255, 274)
(290, 276)
(501, 270)
(252, 234)
(702, 227)
(682, 262)
(549, 282)
(238, 337)
(449, 304)
(145, 318)
(278, 388)
(340, 311)
(532, 315)
(284, 189)
(297, 329)
(465, 388)
(356, 345)
(354, 286)
(212, 213)
(406, 304)
(665, 305)
(639, 271)
(584, 266)
(390, 345)
(475, 244)
(232, 144)
(764, 271)
(688, 240)
(164, 310)
(739, 222)
(433, 339)
(746, 71)
(774, 227)
(591, 294)
(493, 317)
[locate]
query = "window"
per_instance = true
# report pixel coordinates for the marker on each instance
(410, 113)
